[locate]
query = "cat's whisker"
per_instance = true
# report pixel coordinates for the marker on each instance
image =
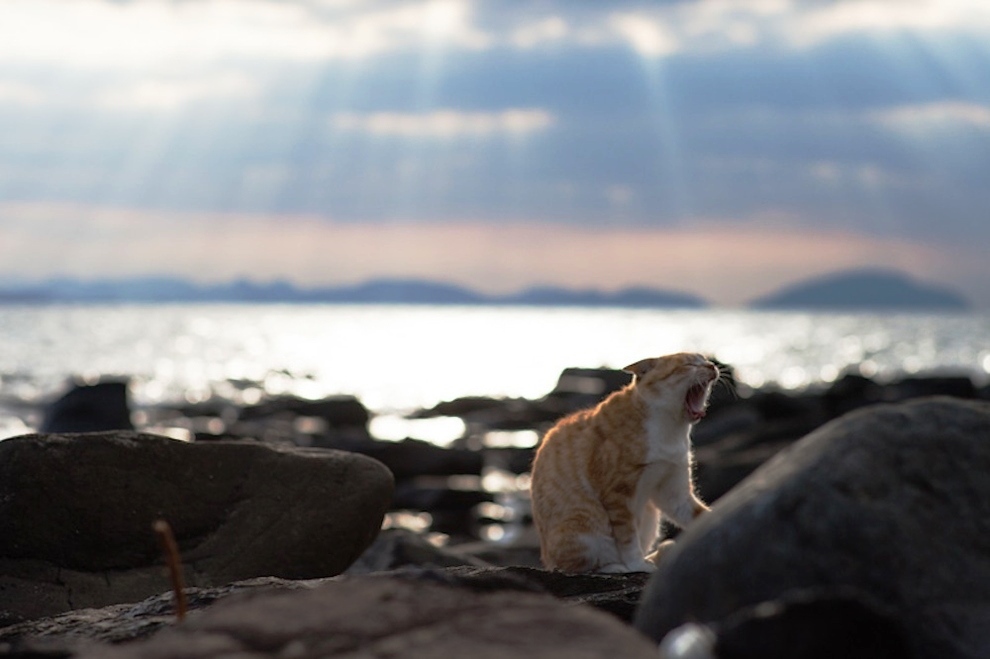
(728, 384)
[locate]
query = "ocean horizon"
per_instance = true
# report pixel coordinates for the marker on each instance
(400, 358)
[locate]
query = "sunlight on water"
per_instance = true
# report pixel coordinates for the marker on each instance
(397, 358)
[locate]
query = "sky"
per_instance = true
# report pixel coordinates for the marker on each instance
(724, 148)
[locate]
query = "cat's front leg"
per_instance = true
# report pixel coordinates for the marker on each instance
(676, 499)
(633, 559)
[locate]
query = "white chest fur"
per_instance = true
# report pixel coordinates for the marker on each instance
(667, 440)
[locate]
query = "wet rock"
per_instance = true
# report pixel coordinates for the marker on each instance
(891, 500)
(90, 408)
(395, 616)
(76, 514)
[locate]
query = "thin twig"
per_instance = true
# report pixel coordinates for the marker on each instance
(171, 551)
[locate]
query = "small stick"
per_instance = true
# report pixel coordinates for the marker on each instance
(171, 551)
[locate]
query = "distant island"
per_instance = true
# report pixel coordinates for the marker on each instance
(378, 291)
(862, 290)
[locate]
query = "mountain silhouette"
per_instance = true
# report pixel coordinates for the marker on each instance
(152, 289)
(863, 290)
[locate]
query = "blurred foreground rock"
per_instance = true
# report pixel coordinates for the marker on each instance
(890, 504)
(76, 513)
(457, 612)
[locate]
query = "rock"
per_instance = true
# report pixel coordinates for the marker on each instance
(89, 630)
(452, 511)
(522, 552)
(616, 594)
(813, 624)
(69, 633)
(395, 548)
(891, 500)
(723, 464)
(389, 616)
(578, 388)
(413, 457)
(76, 514)
(90, 408)
(336, 411)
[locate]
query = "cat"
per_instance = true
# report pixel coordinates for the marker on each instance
(602, 477)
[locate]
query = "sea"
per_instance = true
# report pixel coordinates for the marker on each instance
(400, 358)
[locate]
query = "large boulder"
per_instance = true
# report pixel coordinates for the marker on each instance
(76, 514)
(390, 616)
(891, 501)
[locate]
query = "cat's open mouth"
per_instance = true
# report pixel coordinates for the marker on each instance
(695, 402)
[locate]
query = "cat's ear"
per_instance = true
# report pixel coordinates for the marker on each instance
(642, 367)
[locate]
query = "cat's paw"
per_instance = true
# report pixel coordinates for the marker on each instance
(612, 568)
(641, 566)
(622, 568)
(661, 551)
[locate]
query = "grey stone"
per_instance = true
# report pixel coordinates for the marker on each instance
(76, 514)
(389, 616)
(891, 500)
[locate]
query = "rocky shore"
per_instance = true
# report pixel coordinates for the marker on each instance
(851, 520)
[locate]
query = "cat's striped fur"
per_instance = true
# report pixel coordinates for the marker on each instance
(602, 477)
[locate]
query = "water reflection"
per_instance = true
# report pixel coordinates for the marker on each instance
(399, 358)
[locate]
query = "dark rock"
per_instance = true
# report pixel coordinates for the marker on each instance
(579, 388)
(90, 408)
(389, 616)
(810, 624)
(76, 514)
(336, 411)
(917, 387)
(722, 465)
(616, 594)
(395, 548)
(413, 457)
(892, 500)
(780, 406)
(525, 553)
(68, 633)
(850, 392)
(462, 407)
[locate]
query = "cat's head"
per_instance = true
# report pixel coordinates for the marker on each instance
(680, 383)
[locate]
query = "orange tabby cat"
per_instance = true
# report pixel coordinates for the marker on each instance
(602, 476)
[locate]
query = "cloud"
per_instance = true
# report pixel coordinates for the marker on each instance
(20, 94)
(650, 38)
(446, 124)
(172, 94)
(946, 114)
(551, 29)
(163, 35)
(835, 19)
